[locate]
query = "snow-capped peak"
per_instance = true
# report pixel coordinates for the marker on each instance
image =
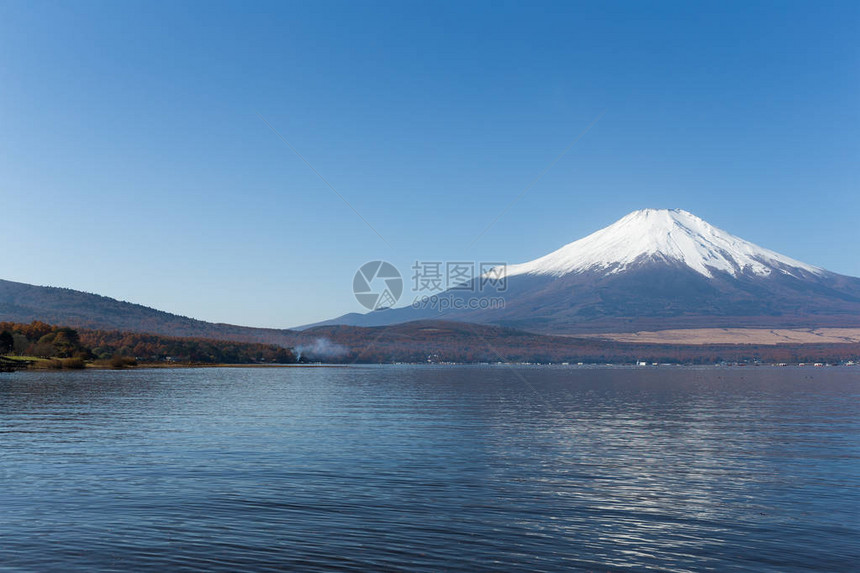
(670, 235)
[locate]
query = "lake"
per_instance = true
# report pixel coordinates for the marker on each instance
(430, 468)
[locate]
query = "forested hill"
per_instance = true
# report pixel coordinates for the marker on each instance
(24, 303)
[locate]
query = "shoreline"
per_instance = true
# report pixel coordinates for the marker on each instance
(630, 366)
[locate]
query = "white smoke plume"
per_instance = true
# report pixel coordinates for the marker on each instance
(320, 349)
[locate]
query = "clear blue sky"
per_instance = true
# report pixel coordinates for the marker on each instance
(133, 162)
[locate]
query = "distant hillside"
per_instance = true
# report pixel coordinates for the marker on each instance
(437, 341)
(25, 303)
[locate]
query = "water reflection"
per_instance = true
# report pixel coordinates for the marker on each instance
(429, 468)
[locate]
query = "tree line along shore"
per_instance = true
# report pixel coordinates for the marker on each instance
(40, 345)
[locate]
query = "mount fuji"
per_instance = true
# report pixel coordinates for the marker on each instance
(653, 269)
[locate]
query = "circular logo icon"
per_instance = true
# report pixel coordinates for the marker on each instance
(377, 285)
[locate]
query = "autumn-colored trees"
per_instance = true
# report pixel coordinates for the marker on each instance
(47, 341)
(42, 340)
(155, 348)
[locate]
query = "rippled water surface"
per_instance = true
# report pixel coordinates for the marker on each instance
(431, 468)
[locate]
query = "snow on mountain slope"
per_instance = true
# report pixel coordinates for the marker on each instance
(663, 235)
